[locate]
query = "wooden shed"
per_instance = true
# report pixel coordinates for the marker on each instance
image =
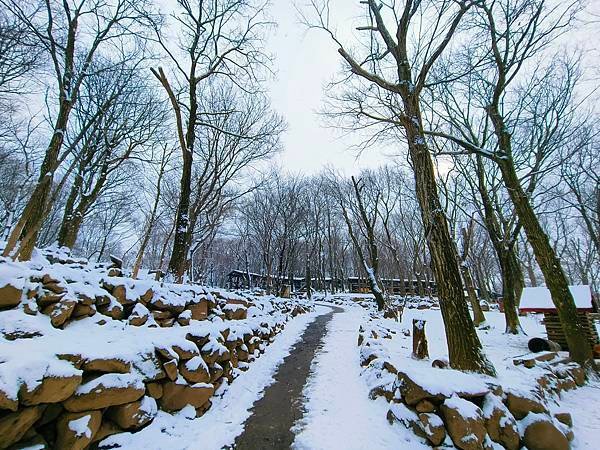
(538, 300)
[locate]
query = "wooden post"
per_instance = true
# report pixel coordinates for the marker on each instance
(420, 349)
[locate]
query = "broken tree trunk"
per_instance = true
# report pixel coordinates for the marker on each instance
(420, 349)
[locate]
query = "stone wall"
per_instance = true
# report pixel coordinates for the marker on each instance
(451, 409)
(75, 400)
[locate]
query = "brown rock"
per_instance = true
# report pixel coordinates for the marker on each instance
(7, 402)
(413, 393)
(106, 390)
(30, 308)
(520, 406)
(106, 365)
(185, 353)
(51, 413)
(13, 426)
(183, 319)
(243, 354)
(171, 369)
(500, 423)
(199, 310)
(195, 370)
(239, 313)
(50, 390)
(120, 293)
(76, 431)
(154, 390)
(113, 310)
(543, 435)
(216, 372)
(578, 375)
(425, 406)
(60, 312)
(164, 305)
(177, 396)
(166, 323)
(137, 321)
(464, 422)
(10, 296)
(147, 296)
(49, 299)
(162, 315)
(566, 384)
(107, 428)
(564, 418)
(82, 310)
(55, 287)
(134, 415)
(432, 427)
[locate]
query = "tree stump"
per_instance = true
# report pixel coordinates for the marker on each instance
(420, 349)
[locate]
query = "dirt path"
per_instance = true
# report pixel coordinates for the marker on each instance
(269, 426)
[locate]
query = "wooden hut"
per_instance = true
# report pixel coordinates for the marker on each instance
(538, 300)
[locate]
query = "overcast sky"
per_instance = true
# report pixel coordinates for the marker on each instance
(306, 60)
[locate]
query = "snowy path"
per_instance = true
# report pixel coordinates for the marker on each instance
(339, 413)
(270, 425)
(220, 426)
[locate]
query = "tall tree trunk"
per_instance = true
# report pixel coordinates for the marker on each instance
(464, 347)
(179, 254)
(30, 222)
(509, 293)
(478, 316)
(579, 349)
(308, 281)
(505, 253)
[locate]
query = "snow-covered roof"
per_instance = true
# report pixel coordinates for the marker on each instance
(538, 298)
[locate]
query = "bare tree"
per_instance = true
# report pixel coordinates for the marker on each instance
(217, 38)
(71, 35)
(396, 69)
(116, 119)
(514, 33)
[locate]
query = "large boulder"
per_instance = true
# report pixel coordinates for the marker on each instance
(500, 423)
(134, 415)
(13, 426)
(51, 389)
(195, 370)
(539, 433)
(106, 390)
(520, 404)
(76, 431)
(464, 422)
(10, 296)
(177, 395)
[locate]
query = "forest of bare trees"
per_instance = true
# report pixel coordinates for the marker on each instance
(146, 132)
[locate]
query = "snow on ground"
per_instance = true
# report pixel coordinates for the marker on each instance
(224, 421)
(584, 406)
(339, 413)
